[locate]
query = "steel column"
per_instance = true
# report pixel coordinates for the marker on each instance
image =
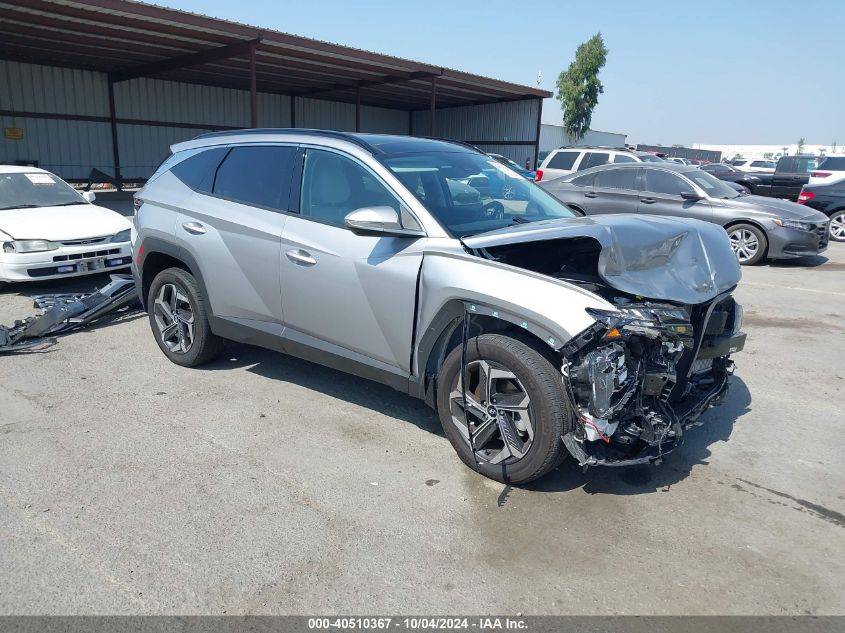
(539, 129)
(114, 144)
(253, 88)
(357, 108)
(432, 128)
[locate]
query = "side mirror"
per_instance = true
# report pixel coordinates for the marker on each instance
(690, 195)
(382, 221)
(89, 196)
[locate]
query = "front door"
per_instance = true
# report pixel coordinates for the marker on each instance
(661, 195)
(348, 295)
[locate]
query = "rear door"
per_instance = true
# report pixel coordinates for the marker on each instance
(593, 159)
(661, 195)
(348, 296)
(792, 173)
(613, 191)
(560, 163)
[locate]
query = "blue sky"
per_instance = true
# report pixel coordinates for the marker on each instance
(712, 71)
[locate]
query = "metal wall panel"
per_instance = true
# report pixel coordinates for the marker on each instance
(70, 149)
(143, 147)
(517, 153)
(554, 136)
(508, 121)
(384, 120)
(325, 115)
(32, 88)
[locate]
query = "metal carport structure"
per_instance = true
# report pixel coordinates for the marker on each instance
(129, 52)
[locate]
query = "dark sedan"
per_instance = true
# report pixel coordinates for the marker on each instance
(758, 227)
(830, 200)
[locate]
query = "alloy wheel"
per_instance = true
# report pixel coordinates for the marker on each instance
(498, 410)
(744, 244)
(837, 226)
(174, 318)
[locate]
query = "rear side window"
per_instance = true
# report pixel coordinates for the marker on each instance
(834, 163)
(617, 179)
(593, 159)
(197, 171)
(562, 160)
(256, 175)
(624, 158)
(659, 181)
(586, 180)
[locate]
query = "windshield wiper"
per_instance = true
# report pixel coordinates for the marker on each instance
(518, 219)
(67, 204)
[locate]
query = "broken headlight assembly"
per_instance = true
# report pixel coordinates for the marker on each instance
(29, 246)
(651, 321)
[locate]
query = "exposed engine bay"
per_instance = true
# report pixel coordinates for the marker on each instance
(643, 373)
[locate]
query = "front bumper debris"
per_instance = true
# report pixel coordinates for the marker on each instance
(64, 312)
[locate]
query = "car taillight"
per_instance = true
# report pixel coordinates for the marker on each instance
(804, 196)
(538, 176)
(820, 174)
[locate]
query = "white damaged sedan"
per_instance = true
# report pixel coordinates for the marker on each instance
(48, 230)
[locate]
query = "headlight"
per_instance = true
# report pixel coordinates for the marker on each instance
(29, 246)
(651, 321)
(123, 236)
(794, 224)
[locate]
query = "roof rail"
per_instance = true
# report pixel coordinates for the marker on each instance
(619, 149)
(346, 136)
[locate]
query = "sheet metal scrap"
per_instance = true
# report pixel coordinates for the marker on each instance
(64, 312)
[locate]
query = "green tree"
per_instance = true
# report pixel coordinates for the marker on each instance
(800, 146)
(578, 87)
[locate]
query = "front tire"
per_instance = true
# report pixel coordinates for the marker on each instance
(179, 319)
(516, 407)
(837, 227)
(748, 243)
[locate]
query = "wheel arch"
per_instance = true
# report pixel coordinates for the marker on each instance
(159, 255)
(753, 223)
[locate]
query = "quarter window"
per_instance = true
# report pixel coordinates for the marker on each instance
(617, 179)
(562, 160)
(197, 171)
(257, 175)
(659, 181)
(333, 186)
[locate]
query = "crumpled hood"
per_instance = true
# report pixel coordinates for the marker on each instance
(658, 257)
(58, 224)
(776, 207)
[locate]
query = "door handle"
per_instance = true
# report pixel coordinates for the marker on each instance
(194, 228)
(590, 194)
(648, 200)
(301, 257)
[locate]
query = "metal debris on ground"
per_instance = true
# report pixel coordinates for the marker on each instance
(64, 312)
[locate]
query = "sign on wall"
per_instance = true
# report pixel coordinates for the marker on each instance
(13, 133)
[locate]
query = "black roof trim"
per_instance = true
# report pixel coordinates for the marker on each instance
(346, 136)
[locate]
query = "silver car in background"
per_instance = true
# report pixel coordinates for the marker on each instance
(758, 227)
(533, 333)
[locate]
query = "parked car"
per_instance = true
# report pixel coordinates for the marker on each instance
(757, 165)
(677, 160)
(48, 230)
(533, 333)
(507, 162)
(791, 173)
(830, 200)
(564, 161)
(830, 169)
(757, 227)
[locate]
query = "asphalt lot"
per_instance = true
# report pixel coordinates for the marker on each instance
(265, 484)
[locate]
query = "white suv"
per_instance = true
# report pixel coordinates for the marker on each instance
(759, 165)
(566, 160)
(831, 169)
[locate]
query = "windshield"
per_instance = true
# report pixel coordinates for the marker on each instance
(36, 189)
(472, 193)
(507, 162)
(712, 186)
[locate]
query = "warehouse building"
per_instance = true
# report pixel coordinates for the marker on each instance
(109, 85)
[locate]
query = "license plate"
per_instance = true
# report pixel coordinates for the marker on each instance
(92, 264)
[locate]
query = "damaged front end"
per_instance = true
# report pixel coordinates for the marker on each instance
(642, 375)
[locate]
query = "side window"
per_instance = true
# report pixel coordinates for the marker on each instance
(257, 175)
(617, 179)
(197, 171)
(758, 163)
(624, 158)
(334, 185)
(562, 160)
(593, 159)
(584, 181)
(659, 181)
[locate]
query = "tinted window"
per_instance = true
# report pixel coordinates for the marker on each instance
(197, 171)
(257, 175)
(659, 181)
(586, 180)
(624, 158)
(593, 159)
(617, 179)
(333, 186)
(651, 158)
(834, 163)
(562, 160)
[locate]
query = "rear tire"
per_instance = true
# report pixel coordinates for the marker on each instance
(179, 319)
(527, 392)
(837, 227)
(749, 243)
(747, 190)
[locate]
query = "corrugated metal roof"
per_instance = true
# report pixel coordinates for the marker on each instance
(125, 38)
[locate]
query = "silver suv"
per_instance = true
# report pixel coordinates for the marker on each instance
(567, 160)
(532, 333)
